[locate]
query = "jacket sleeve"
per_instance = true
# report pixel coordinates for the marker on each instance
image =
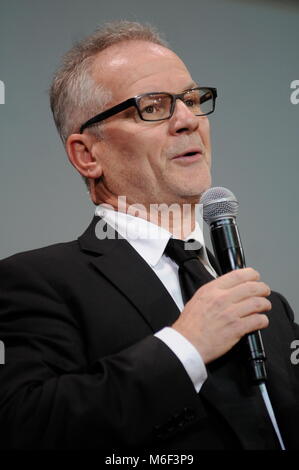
(51, 397)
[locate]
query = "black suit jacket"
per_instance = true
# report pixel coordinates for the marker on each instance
(83, 368)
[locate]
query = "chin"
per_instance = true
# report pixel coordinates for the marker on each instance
(188, 198)
(196, 190)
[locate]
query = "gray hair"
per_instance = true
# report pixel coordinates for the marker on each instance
(74, 94)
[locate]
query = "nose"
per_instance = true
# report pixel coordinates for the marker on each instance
(183, 120)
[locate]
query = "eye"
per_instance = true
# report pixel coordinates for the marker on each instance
(189, 102)
(150, 109)
(152, 104)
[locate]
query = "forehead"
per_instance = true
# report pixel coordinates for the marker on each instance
(135, 67)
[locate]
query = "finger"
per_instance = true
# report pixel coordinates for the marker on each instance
(254, 322)
(251, 306)
(249, 289)
(236, 277)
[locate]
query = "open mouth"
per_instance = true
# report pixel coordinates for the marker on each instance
(189, 154)
(192, 154)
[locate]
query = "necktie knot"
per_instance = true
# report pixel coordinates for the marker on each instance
(180, 252)
(192, 273)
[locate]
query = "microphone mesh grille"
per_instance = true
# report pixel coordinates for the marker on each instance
(218, 203)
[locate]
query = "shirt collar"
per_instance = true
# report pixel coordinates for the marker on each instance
(148, 239)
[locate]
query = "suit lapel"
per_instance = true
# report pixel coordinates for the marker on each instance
(130, 274)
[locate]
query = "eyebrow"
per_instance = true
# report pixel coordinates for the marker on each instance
(191, 85)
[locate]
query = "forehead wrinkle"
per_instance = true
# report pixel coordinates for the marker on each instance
(150, 86)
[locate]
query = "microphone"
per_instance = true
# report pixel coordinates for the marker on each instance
(220, 208)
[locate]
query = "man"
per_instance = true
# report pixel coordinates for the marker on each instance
(101, 349)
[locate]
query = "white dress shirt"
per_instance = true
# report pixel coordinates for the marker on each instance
(150, 240)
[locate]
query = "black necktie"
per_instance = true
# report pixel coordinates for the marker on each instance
(192, 273)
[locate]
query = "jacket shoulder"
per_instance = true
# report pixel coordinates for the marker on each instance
(44, 256)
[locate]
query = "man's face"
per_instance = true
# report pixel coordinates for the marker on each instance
(143, 160)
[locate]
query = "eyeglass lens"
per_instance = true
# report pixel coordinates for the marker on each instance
(158, 105)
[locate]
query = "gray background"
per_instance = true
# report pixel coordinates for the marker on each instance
(247, 49)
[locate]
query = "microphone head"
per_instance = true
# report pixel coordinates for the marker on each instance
(218, 203)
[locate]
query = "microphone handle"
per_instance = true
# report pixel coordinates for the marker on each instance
(229, 254)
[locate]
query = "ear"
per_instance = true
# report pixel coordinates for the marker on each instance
(80, 150)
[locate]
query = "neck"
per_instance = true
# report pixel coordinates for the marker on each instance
(178, 219)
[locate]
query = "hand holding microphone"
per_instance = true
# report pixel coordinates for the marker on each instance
(229, 308)
(223, 311)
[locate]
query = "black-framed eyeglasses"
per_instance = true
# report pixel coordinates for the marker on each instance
(158, 106)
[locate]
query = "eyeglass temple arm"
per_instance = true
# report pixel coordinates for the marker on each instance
(110, 112)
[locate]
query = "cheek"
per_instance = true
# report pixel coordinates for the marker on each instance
(126, 146)
(204, 130)
(134, 148)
